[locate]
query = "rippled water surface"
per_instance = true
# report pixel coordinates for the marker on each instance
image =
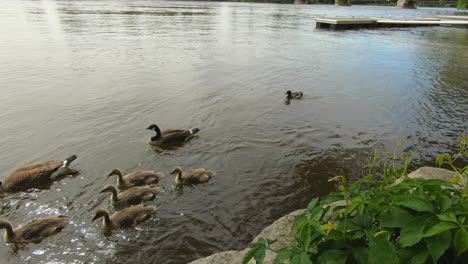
(87, 78)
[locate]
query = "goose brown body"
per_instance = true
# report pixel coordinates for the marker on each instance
(171, 138)
(36, 175)
(35, 231)
(138, 178)
(193, 176)
(132, 196)
(126, 218)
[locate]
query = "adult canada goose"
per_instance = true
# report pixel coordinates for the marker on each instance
(295, 95)
(170, 138)
(35, 231)
(138, 178)
(193, 176)
(132, 196)
(36, 175)
(126, 218)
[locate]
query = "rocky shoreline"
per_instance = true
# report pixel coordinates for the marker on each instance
(280, 229)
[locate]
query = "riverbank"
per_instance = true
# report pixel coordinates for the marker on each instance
(280, 229)
(448, 4)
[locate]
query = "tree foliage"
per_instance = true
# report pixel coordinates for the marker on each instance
(462, 4)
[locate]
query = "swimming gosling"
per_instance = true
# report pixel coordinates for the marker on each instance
(138, 178)
(126, 218)
(295, 95)
(193, 176)
(35, 231)
(172, 138)
(36, 174)
(132, 196)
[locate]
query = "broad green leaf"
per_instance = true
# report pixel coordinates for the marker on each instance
(413, 231)
(463, 138)
(355, 235)
(437, 245)
(439, 228)
(333, 197)
(457, 211)
(259, 255)
(461, 241)
(283, 254)
(298, 223)
(317, 226)
(448, 217)
(444, 202)
(324, 212)
(314, 213)
(395, 217)
(351, 207)
(405, 255)
(312, 204)
(354, 203)
(301, 258)
(305, 236)
(437, 182)
(420, 256)
(257, 251)
(333, 256)
(361, 255)
(337, 211)
(249, 255)
(381, 251)
(413, 202)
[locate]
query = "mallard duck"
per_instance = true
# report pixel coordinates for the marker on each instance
(295, 95)
(138, 178)
(126, 218)
(193, 176)
(132, 196)
(35, 231)
(170, 138)
(36, 175)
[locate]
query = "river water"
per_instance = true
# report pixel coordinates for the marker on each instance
(87, 78)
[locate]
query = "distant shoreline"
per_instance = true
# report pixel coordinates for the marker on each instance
(447, 4)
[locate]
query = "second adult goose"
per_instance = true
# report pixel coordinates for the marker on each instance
(132, 196)
(36, 175)
(170, 138)
(193, 176)
(138, 178)
(35, 231)
(126, 218)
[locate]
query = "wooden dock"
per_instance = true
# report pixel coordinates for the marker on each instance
(357, 23)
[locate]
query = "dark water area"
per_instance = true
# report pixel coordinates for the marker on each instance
(87, 78)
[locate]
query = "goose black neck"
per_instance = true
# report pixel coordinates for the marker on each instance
(107, 221)
(158, 133)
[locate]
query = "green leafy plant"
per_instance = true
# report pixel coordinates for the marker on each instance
(386, 219)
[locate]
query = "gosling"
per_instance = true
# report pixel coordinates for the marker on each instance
(34, 231)
(193, 176)
(138, 178)
(132, 196)
(126, 218)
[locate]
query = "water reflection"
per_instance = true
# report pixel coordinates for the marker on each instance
(89, 76)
